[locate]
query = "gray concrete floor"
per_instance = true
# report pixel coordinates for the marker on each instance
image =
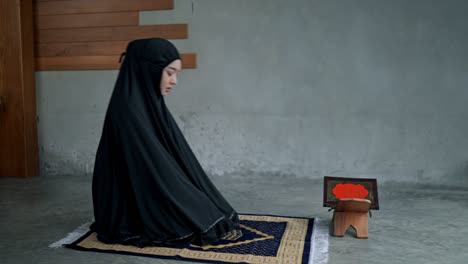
(416, 224)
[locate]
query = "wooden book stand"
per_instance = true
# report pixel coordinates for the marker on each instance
(351, 212)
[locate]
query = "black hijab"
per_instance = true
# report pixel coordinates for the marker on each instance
(148, 187)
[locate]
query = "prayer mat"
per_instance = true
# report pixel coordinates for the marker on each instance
(257, 239)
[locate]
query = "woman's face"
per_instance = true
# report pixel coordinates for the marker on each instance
(169, 77)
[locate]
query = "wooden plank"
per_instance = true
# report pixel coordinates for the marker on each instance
(171, 31)
(18, 131)
(189, 60)
(99, 6)
(95, 62)
(87, 20)
(11, 125)
(31, 145)
(81, 48)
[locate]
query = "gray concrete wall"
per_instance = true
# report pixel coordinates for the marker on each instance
(369, 88)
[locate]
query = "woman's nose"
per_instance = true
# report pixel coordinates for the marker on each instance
(174, 80)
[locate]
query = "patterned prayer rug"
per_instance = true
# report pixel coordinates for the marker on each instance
(258, 239)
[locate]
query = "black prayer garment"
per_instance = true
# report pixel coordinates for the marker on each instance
(148, 187)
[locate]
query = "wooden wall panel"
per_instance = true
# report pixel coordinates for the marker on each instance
(172, 31)
(91, 34)
(87, 20)
(81, 48)
(31, 145)
(18, 131)
(189, 60)
(98, 6)
(11, 125)
(96, 62)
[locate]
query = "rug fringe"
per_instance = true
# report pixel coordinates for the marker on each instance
(319, 248)
(71, 237)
